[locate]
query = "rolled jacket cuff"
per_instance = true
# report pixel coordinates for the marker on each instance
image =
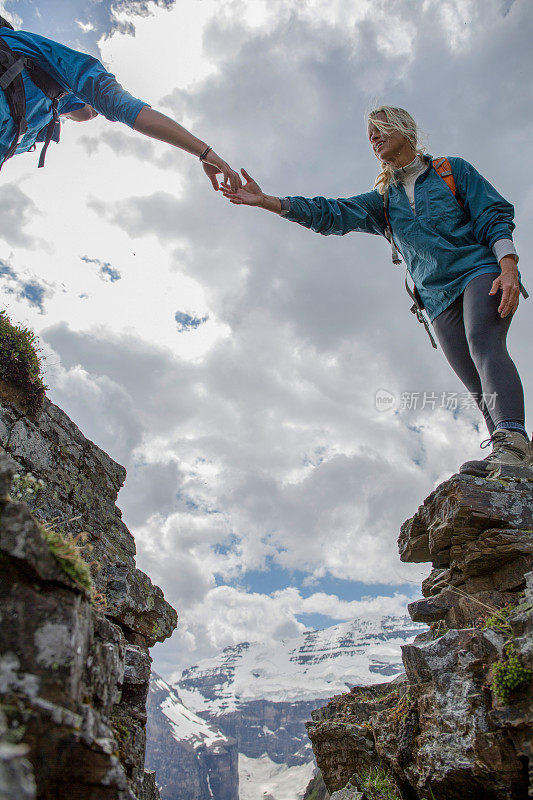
(504, 247)
(285, 205)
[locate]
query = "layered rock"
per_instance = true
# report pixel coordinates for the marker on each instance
(459, 723)
(74, 659)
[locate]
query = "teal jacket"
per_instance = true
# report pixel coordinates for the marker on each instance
(84, 77)
(443, 246)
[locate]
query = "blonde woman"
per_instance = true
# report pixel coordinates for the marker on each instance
(457, 245)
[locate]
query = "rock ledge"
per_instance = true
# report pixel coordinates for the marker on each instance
(443, 727)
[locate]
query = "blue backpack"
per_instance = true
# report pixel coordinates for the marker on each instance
(11, 83)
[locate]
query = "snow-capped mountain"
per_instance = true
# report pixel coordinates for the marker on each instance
(186, 726)
(256, 698)
(315, 665)
(191, 757)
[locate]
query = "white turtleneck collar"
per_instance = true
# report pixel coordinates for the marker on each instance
(407, 176)
(414, 167)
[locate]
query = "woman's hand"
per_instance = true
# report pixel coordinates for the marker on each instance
(508, 283)
(248, 195)
(251, 195)
(214, 165)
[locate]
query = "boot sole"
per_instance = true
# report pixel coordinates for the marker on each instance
(481, 470)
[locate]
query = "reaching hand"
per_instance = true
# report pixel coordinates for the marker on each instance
(249, 195)
(213, 165)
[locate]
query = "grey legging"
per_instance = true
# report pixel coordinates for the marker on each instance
(472, 336)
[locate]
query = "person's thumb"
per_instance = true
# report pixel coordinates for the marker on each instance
(245, 175)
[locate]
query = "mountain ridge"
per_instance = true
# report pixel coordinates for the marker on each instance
(363, 650)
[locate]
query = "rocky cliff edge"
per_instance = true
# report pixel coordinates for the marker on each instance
(459, 723)
(77, 618)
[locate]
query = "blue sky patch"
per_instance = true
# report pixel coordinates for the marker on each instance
(6, 271)
(187, 323)
(80, 23)
(107, 272)
(33, 292)
(274, 578)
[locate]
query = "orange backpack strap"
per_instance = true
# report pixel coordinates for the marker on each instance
(444, 169)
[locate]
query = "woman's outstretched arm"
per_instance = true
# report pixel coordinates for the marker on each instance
(363, 212)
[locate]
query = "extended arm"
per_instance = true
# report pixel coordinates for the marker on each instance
(158, 126)
(363, 212)
(87, 79)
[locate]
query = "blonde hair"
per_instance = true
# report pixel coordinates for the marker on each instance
(397, 119)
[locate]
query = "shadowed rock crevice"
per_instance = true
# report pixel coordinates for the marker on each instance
(74, 656)
(459, 722)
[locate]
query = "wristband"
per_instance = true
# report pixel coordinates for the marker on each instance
(204, 154)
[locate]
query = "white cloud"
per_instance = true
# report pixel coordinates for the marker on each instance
(227, 616)
(85, 26)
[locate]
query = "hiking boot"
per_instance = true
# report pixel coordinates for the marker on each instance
(509, 448)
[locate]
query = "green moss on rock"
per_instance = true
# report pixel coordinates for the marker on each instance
(68, 556)
(509, 675)
(20, 364)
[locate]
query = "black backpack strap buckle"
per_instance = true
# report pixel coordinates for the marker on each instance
(11, 73)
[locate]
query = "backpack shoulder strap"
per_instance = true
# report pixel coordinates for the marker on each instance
(417, 309)
(443, 167)
(48, 85)
(12, 85)
(388, 230)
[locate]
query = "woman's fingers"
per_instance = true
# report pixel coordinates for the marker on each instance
(510, 296)
(227, 190)
(495, 286)
(510, 300)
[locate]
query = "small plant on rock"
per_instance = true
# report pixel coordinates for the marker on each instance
(399, 711)
(25, 488)
(378, 785)
(20, 363)
(438, 629)
(510, 675)
(499, 621)
(67, 551)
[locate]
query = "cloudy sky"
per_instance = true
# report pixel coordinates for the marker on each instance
(228, 358)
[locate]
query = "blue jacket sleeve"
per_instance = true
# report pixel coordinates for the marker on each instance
(363, 213)
(491, 214)
(79, 73)
(69, 103)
